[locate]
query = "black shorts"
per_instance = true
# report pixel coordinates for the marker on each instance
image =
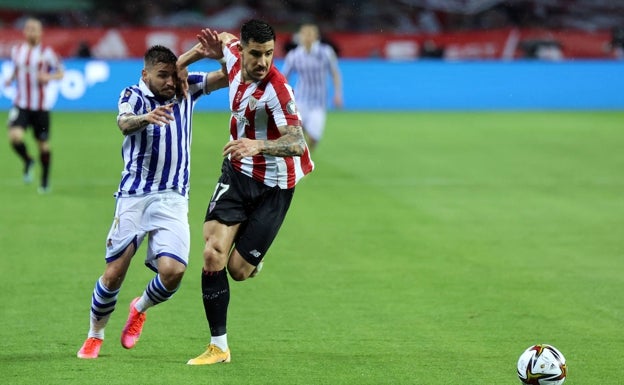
(38, 120)
(259, 209)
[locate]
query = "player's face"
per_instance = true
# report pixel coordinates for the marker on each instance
(161, 79)
(308, 34)
(257, 59)
(32, 31)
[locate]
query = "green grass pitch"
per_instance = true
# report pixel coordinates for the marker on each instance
(426, 248)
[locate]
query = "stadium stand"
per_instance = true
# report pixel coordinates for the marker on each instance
(411, 16)
(399, 29)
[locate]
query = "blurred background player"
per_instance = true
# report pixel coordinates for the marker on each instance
(312, 61)
(152, 199)
(35, 65)
(264, 159)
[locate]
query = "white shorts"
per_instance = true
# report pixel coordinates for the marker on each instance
(313, 119)
(163, 216)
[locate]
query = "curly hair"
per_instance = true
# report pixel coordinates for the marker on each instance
(159, 54)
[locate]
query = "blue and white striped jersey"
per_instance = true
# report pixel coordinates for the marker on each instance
(312, 69)
(158, 158)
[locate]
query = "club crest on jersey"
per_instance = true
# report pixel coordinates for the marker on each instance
(291, 107)
(253, 102)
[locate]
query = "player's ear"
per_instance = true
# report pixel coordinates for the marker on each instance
(144, 75)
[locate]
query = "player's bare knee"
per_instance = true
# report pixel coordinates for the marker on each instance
(171, 271)
(113, 278)
(171, 279)
(238, 268)
(16, 135)
(238, 275)
(214, 258)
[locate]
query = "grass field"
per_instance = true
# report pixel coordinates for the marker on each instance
(426, 248)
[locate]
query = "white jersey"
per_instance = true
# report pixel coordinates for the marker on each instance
(158, 158)
(312, 70)
(29, 62)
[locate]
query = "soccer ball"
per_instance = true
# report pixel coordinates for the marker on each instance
(542, 365)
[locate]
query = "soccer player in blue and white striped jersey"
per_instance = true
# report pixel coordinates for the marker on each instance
(313, 61)
(152, 198)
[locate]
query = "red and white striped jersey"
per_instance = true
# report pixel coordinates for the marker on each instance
(29, 62)
(258, 109)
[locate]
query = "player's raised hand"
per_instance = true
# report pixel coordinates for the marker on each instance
(211, 43)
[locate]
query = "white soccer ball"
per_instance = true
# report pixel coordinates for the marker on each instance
(542, 365)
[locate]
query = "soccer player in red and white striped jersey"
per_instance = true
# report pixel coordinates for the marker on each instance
(35, 65)
(265, 158)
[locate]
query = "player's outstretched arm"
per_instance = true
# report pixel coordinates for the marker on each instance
(129, 123)
(338, 101)
(217, 80)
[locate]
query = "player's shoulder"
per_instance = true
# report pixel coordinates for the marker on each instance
(327, 48)
(277, 82)
(127, 92)
(294, 51)
(48, 50)
(231, 43)
(17, 47)
(276, 77)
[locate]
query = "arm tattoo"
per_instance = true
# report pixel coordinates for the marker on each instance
(129, 124)
(291, 143)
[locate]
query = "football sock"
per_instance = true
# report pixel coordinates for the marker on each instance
(45, 163)
(154, 293)
(20, 149)
(216, 297)
(103, 304)
(220, 341)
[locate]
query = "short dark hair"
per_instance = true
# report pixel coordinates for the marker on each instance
(258, 31)
(159, 54)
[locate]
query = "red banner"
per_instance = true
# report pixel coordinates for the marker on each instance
(496, 44)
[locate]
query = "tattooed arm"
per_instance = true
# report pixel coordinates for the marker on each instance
(129, 123)
(291, 143)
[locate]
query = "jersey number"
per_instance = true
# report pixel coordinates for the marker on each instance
(220, 189)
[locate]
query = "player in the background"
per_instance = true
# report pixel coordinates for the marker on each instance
(35, 65)
(152, 199)
(313, 62)
(265, 158)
